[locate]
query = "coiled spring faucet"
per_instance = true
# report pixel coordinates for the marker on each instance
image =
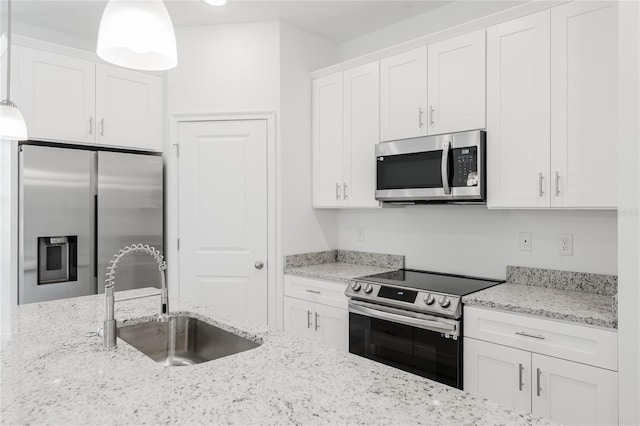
(109, 330)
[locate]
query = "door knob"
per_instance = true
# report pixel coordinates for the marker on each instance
(259, 264)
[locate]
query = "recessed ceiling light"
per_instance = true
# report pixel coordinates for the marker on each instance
(216, 2)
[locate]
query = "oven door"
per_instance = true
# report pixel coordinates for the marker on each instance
(420, 344)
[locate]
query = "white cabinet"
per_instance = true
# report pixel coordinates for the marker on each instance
(128, 108)
(564, 372)
(316, 310)
(403, 95)
(345, 132)
(56, 95)
(584, 75)
(551, 108)
(456, 84)
(65, 99)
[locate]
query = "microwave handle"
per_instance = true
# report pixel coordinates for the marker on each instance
(444, 167)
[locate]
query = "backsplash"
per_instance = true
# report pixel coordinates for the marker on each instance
(345, 256)
(564, 280)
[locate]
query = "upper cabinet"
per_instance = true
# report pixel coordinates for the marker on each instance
(66, 99)
(456, 84)
(345, 132)
(551, 109)
(403, 95)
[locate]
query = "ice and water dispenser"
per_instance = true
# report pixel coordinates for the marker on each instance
(57, 259)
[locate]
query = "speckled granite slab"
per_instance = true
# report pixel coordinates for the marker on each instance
(341, 265)
(52, 373)
(563, 280)
(381, 260)
(575, 306)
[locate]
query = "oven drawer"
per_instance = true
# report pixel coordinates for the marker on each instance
(318, 291)
(584, 344)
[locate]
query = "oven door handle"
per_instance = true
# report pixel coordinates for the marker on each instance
(402, 319)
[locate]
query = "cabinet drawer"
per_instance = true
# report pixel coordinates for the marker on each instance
(318, 291)
(588, 345)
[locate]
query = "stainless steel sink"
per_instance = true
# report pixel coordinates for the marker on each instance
(183, 340)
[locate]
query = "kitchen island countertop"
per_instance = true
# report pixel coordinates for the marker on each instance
(53, 373)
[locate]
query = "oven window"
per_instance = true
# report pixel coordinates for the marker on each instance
(422, 352)
(416, 170)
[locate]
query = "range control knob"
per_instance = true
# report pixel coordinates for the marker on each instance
(444, 302)
(368, 288)
(356, 286)
(429, 299)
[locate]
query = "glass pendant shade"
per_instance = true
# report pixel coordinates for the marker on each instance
(137, 34)
(216, 2)
(12, 125)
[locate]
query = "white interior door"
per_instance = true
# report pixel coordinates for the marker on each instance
(223, 215)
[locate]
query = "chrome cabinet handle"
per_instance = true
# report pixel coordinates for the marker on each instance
(91, 125)
(557, 184)
(313, 291)
(317, 322)
(102, 127)
(259, 264)
(308, 319)
(540, 177)
(538, 388)
(337, 191)
(535, 336)
(444, 167)
(431, 115)
(345, 190)
(520, 370)
(420, 112)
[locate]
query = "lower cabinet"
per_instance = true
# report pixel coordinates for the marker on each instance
(318, 311)
(562, 390)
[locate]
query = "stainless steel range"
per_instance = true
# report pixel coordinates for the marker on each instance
(412, 320)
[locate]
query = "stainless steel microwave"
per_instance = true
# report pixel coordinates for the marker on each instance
(440, 168)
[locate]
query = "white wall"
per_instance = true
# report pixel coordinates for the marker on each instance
(226, 68)
(304, 229)
(427, 23)
(629, 213)
(477, 241)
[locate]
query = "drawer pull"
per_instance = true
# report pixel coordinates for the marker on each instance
(313, 291)
(525, 334)
(520, 383)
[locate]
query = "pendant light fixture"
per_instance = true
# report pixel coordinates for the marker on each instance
(137, 34)
(216, 2)
(12, 125)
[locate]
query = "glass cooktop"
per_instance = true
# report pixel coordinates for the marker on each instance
(436, 282)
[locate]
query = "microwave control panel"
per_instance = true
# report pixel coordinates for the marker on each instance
(465, 166)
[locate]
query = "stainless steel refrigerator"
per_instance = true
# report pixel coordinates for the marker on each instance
(77, 208)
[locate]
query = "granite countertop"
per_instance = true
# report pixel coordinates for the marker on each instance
(53, 373)
(341, 265)
(568, 305)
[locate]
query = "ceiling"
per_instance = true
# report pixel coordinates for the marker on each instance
(335, 20)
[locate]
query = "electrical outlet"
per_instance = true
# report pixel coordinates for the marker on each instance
(360, 233)
(565, 244)
(526, 243)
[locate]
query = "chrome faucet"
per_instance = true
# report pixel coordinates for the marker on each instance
(109, 329)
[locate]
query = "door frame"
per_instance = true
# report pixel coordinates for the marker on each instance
(273, 200)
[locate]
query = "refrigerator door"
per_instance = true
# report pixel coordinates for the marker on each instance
(56, 223)
(130, 211)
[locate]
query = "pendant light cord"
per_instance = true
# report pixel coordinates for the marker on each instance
(9, 50)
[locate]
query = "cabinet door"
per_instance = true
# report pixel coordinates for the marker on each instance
(299, 318)
(361, 134)
(574, 394)
(456, 84)
(327, 141)
(403, 95)
(128, 108)
(332, 326)
(518, 112)
(499, 373)
(584, 104)
(56, 95)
